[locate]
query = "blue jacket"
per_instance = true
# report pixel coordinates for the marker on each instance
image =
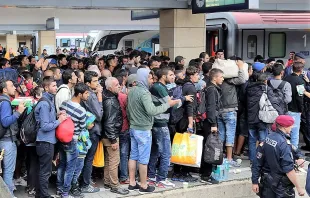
(45, 114)
(8, 118)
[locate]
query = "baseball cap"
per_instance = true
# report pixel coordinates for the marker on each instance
(53, 61)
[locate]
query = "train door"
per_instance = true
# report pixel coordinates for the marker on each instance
(212, 42)
(253, 44)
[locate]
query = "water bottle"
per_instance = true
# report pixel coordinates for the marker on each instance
(226, 170)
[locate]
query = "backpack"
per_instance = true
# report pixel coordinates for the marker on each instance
(267, 113)
(30, 126)
(176, 114)
(213, 153)
(279, 95)
(2, 128)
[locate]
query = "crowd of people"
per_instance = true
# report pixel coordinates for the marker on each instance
(135, 104)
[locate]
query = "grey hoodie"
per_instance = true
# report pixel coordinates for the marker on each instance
(142, 77)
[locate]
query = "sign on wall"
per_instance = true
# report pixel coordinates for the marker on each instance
(208, 6)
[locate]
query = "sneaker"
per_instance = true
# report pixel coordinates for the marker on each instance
(209, 180)
(189, 178)
(177, 177)
(152, 181)
(106, 186)
(67, 196)
(20, 182)
(233, 163)
(120, 191)
(124, 182)
(166, 183)
(149, 189)
(132, 188)
(31, 193)
(76, 192)
(90, 189)
(241, 156)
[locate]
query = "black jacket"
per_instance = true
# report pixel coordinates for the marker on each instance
(214, 104)
(190, 107)
(255, 91)
(112, 119)
(296, 105)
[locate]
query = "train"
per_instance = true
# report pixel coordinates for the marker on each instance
(108, 42)
(242, 34)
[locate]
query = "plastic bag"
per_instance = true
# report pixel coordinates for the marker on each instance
(64, 132)
(187, 149)
(213, 150)
(99, 156)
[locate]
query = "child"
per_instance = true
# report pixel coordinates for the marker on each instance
(83, 145)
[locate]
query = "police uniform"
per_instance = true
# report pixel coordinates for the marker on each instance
(274, 160)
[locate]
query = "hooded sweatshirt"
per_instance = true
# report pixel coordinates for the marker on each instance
(141, 109)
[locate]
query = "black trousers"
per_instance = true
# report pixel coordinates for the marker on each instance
(45, 152)
(32, 168)
(205, 168)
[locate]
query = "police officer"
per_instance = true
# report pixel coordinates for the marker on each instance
(275, 163)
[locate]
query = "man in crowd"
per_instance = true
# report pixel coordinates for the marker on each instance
(220, 54)
(93, 105)
(141, 113)
(45, 114)
(186, 124)
(68, 152)
(112, 125)
(210, 125)
(180, 60)
(8, 121)
(227, 119)
(161, 144)
(66, 90)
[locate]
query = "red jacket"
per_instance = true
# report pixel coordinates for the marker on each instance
(122, 98)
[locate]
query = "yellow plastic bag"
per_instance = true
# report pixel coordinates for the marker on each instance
(99, 156)
(187, 149)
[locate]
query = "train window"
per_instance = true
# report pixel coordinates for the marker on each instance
(128, 44)
(65, 42)
(77, 42)
(252, 46)
(277, 45)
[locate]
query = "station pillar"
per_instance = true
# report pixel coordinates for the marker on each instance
(11, 42)
(182, 33)
(47, 40)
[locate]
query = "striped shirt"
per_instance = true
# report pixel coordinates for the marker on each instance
(77, 114)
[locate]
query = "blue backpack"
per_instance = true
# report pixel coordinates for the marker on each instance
(176, 114)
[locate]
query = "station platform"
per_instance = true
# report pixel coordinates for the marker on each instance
(238, 186)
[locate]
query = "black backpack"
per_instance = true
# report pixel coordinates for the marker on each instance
(279, 95)
(2, 128)
(176, 114)
(213, 153)
(30, 126)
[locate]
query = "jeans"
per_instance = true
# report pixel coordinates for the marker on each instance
(141, 142)
(88, 162)
(78, 169)
(254, 136)
(9, 161)
(45, 152)
(161, 151)
(124, 143)
(296, 127)
(227, 123)
(68, 154)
